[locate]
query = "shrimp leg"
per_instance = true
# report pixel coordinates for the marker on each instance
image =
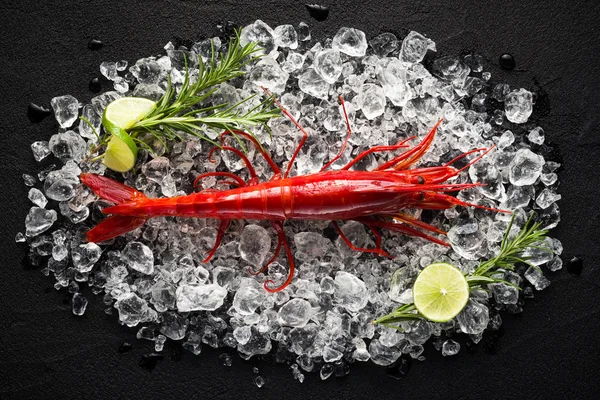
(223, 226)
(260, 149)
(304, 133)
(278, 226)
(275, 255)
(334, 159)
(351, 246)
(239, 181)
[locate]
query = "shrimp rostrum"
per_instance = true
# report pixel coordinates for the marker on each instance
(374, 198)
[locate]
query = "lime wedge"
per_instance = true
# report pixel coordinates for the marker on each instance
(119, 115)
(440, 292)
(126, 111)
(119, 155)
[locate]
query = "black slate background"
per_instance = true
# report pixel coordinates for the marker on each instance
(550, 351)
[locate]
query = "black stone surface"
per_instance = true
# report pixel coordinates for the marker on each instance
(551, 351)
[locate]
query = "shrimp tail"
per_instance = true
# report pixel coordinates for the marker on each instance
(111, 190)
(114, 192)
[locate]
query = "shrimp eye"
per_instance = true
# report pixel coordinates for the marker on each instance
(417, 179)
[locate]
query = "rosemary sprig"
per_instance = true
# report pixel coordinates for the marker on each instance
(511, 250)
(511, 253)
(175, 113)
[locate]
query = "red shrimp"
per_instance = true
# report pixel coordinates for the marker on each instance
(373, 198)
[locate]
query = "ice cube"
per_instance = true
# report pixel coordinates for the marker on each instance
(525, 168)
(261, 33)
(40, 150)
(249, 296)
(66, 110)
(466, 238)
(384, 44)
(312, 244)
(450, 348)
(546, 198)
(133, 309)
(109, 70)
(536, 135)
(146, 70)
(85, 256)
(200, 297)
(414, 47)
(350, 41)
(474, 318)
(535, 276)
(174, 326)
(303, 32)
(68, 146)
(382, 355)
(285, 36)
(139, 257)
(268, 74)
(328, 64)
(310, 82)
(518, 106)
(296, 312)
(254, 245)
(37, 197)
(350, 291)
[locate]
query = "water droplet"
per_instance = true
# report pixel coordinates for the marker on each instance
(125, 347)
(318, 12)
(149, 361)
(37, 113)
(575, 266)
(400, 368)
(507, 61)
(95, 86)
(95, 44)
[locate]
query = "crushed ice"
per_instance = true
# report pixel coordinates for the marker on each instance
(154, 276)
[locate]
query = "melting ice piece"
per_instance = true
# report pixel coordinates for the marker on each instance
(79, 304)
(39, 220)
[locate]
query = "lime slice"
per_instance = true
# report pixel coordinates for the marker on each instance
(119, 155)
(126, 111)
(440, 292)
